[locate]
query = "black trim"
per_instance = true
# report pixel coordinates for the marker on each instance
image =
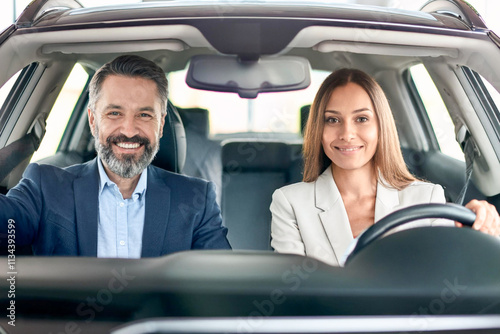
(458, 9)
(6, 33)
(38, 8)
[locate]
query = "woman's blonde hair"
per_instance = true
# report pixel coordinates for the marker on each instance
(388, 158)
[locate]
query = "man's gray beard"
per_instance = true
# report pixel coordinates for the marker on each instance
(128, 167)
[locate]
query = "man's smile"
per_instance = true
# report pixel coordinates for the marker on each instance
(128, 145)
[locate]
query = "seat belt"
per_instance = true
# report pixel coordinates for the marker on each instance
(16, 152)
(471, 152)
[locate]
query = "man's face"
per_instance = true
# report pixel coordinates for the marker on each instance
(127, 124)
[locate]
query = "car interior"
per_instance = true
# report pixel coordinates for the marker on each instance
(263, 162)
(248, 163)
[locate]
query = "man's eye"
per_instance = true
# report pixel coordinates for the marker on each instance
(113, 113)
(145, 115)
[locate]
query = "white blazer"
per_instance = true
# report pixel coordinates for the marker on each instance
(310, 218)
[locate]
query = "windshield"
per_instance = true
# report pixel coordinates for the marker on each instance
(268, 113)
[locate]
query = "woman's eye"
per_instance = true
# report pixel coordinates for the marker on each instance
(362, 119)
(331, 120)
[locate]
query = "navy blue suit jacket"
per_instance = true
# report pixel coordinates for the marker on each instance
(56, 211)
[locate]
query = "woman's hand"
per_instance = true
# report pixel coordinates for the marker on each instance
(487, 218)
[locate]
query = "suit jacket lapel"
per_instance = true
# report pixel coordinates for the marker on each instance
(86, 189)
(156, 217)
(387, 199)
(334, 216)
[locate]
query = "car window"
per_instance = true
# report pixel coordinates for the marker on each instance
(437, 112)
(490, 101)
(493, 92)
(485, 98)
(6, 88)
(269, 112)
(61, 112)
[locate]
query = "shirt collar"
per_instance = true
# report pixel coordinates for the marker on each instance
(104, 180)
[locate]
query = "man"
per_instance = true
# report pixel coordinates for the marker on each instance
(116, 205)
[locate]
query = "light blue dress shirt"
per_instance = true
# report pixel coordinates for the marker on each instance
(121, 221)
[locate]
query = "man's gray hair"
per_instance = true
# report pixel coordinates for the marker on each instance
(129, 66)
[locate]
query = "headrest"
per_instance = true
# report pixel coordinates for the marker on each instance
(249, 155)
(172, 153)
(195, 119)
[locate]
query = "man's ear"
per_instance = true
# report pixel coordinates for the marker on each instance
(91, 120)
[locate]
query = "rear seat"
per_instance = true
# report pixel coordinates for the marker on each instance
(203, 154)
(252, 171)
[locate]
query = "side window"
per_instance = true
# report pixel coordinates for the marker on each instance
(6, 88)
(61, 112)
(492, 96)
(495, 96)
(438, 115)
(14, 94)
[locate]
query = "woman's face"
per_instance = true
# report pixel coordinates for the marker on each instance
(350, 134)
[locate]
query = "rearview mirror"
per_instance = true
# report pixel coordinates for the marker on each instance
(248, 78)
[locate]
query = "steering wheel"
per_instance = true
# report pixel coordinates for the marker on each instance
(421, 211)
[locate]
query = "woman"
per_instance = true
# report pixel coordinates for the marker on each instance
(354, 174)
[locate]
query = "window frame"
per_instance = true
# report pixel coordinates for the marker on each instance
(490, 118)
(19, 94)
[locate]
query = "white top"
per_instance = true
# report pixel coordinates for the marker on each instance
(310, 218)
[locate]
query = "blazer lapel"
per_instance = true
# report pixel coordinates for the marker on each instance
(387, 199)
(86, 189)
(334, 216)
(156, 217)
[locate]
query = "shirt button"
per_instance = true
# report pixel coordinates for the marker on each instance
(122, 204)
(122, 243)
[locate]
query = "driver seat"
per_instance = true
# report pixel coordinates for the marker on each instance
(173, 146)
